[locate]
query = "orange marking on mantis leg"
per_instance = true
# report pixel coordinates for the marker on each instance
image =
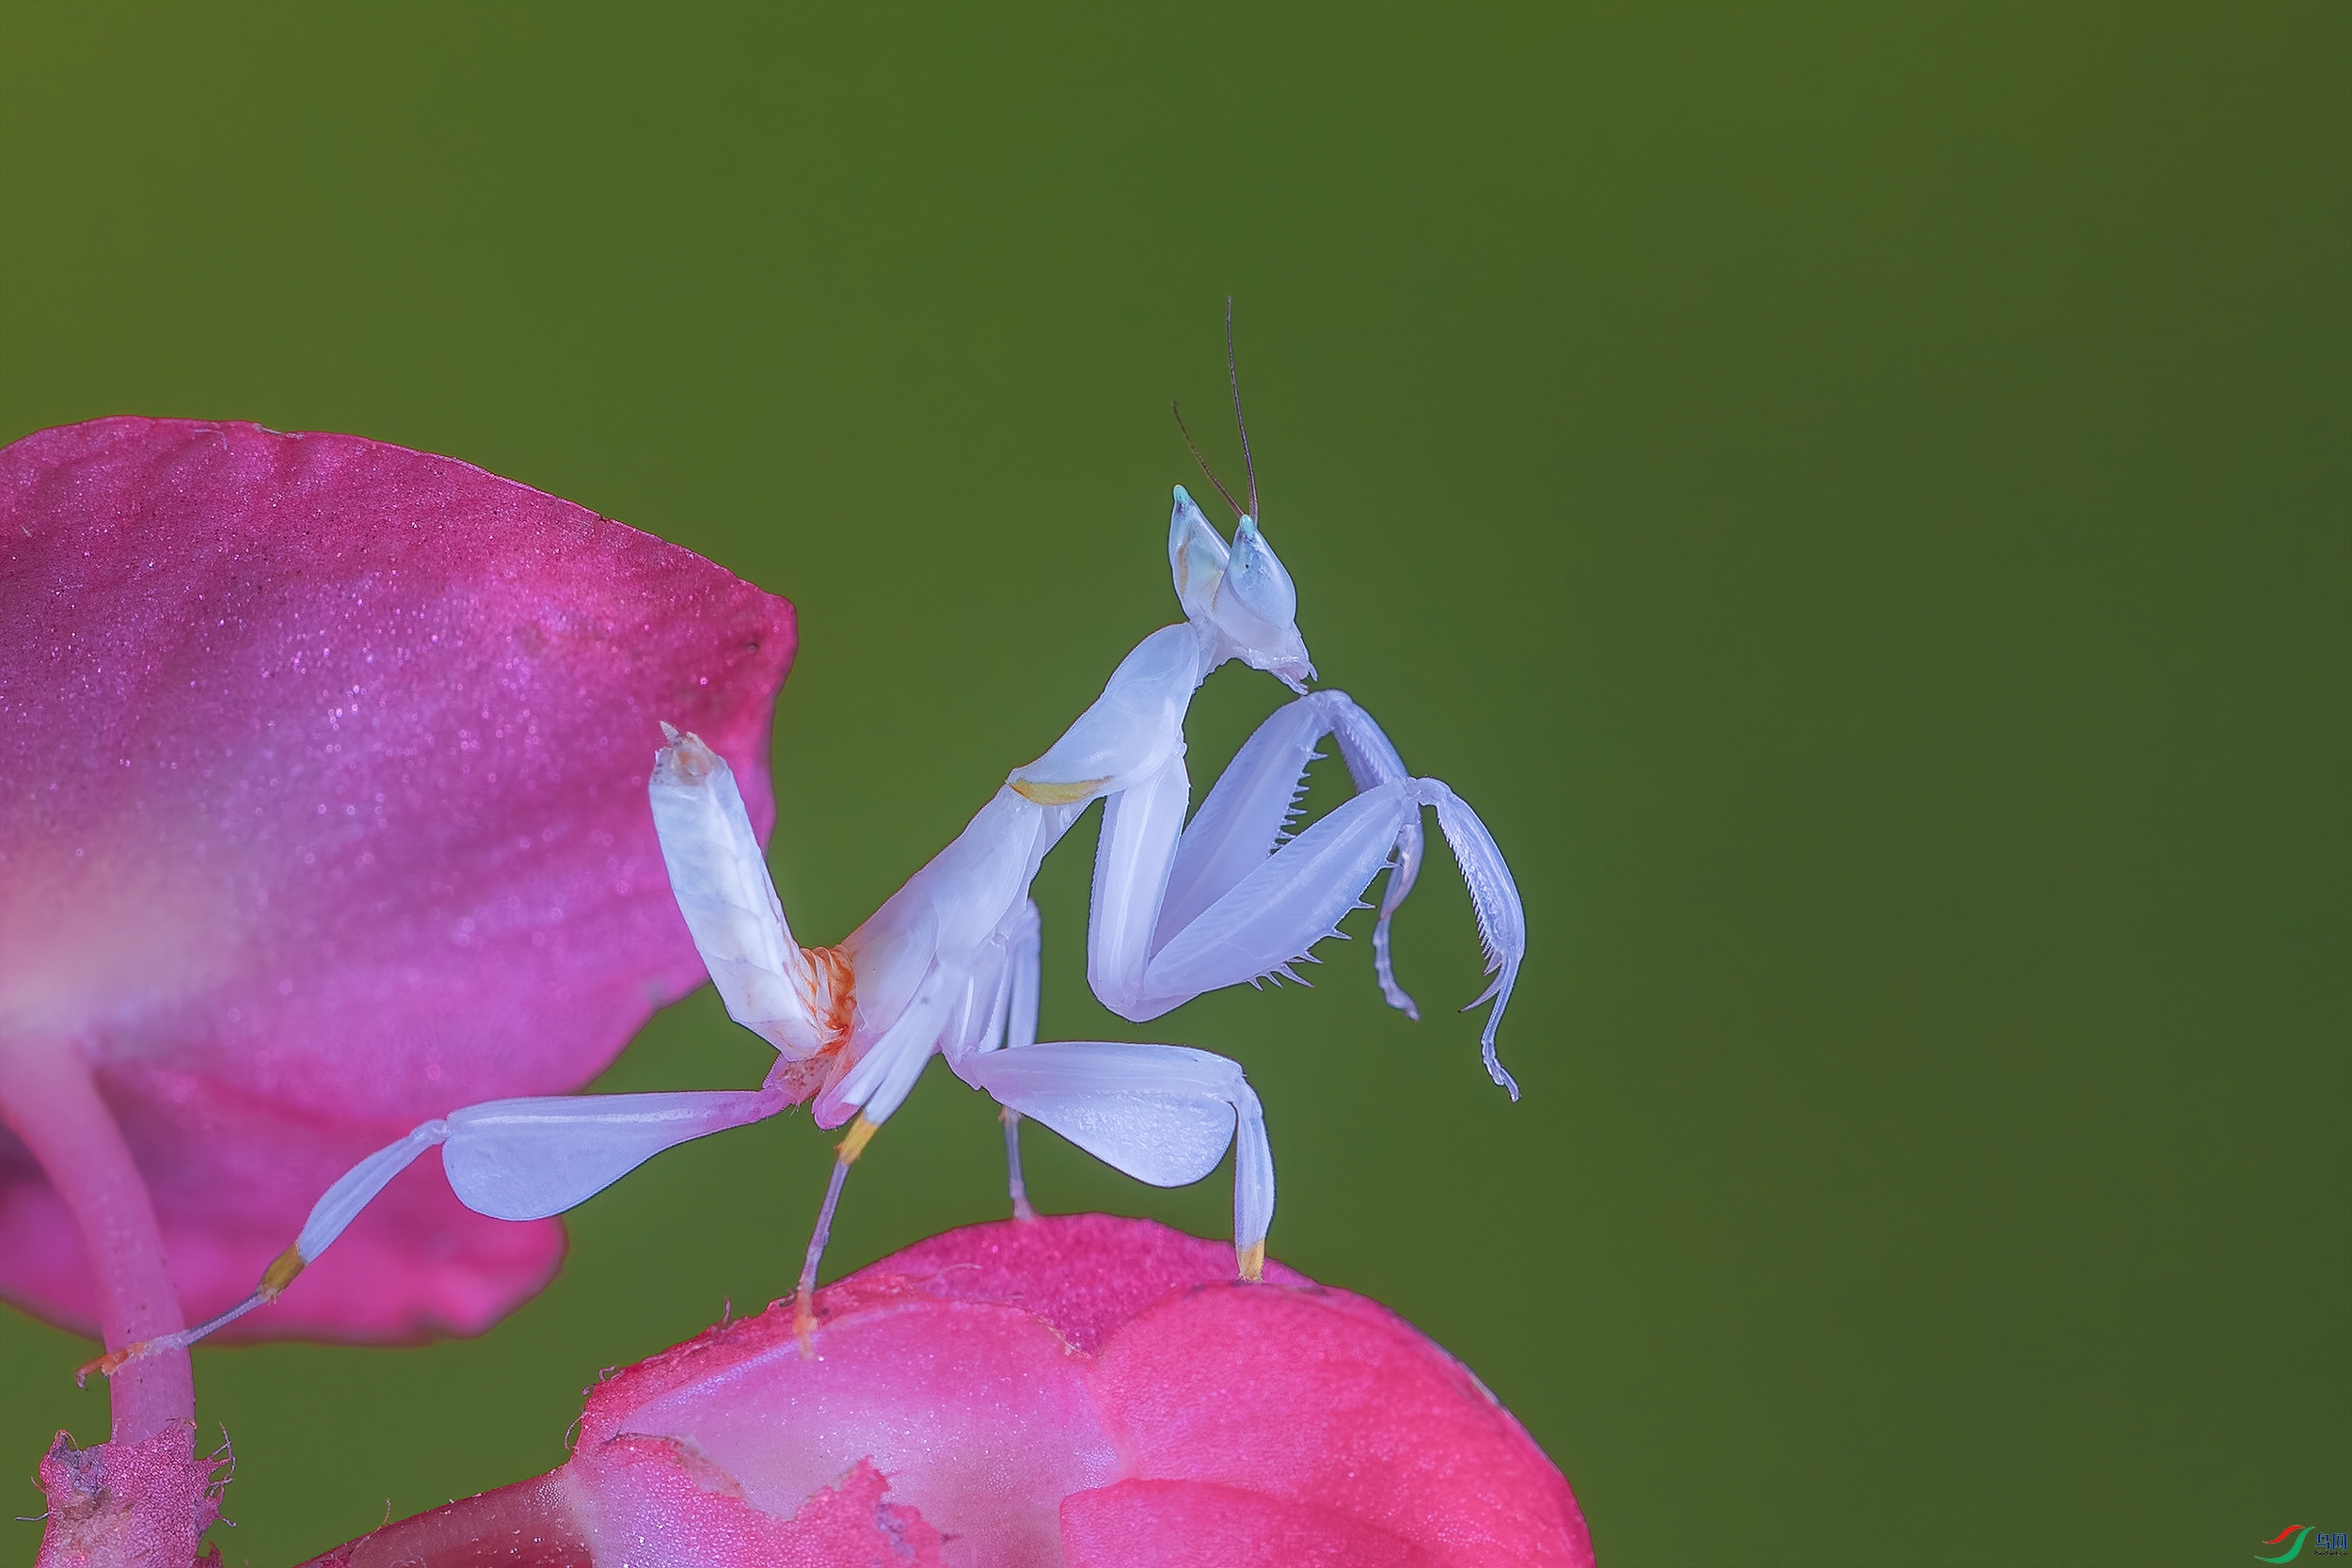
(1049, 793)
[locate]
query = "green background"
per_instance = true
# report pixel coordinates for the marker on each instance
(1855, 497)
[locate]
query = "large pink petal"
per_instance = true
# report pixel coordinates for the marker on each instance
(322, 811)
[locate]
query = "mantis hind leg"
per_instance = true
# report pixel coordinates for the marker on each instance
(1163, 1114)
(509, 1159)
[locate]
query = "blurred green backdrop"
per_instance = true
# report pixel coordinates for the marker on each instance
(1856, 496)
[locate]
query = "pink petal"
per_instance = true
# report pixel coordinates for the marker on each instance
(1084, 1273)
(322, 811)
(532, 1524)
(977, 1412)
(659, 1504)
(1317, 1396)
(1192, 1524)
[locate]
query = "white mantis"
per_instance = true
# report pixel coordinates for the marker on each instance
(949, 964)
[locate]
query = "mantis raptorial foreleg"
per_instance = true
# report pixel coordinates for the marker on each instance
(1180, 910)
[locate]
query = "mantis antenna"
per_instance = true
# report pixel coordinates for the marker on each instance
(1233, 371)
(1202, 461)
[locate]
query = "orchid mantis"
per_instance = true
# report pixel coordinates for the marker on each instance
(949, 964)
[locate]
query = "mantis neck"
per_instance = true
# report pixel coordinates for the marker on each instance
(49, 1099)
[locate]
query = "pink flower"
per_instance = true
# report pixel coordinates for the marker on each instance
(322, 811)
(1082, 1390)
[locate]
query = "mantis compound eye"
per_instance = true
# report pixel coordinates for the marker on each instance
(1257, 610)
(1196, 558)
(1258, 577)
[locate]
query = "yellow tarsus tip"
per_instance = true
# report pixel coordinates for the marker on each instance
(1253, 1263)
(861, 1134)
(108, 1364)
(279, 1275)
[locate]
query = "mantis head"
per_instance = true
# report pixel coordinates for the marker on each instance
(1240, 601)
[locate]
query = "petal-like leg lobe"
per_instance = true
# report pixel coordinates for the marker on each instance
(1163, 1114)
(527, 1158)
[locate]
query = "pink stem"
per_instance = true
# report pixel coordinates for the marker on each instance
(48, 1099)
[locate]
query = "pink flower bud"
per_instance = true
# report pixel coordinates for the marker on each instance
(1093, 1391)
